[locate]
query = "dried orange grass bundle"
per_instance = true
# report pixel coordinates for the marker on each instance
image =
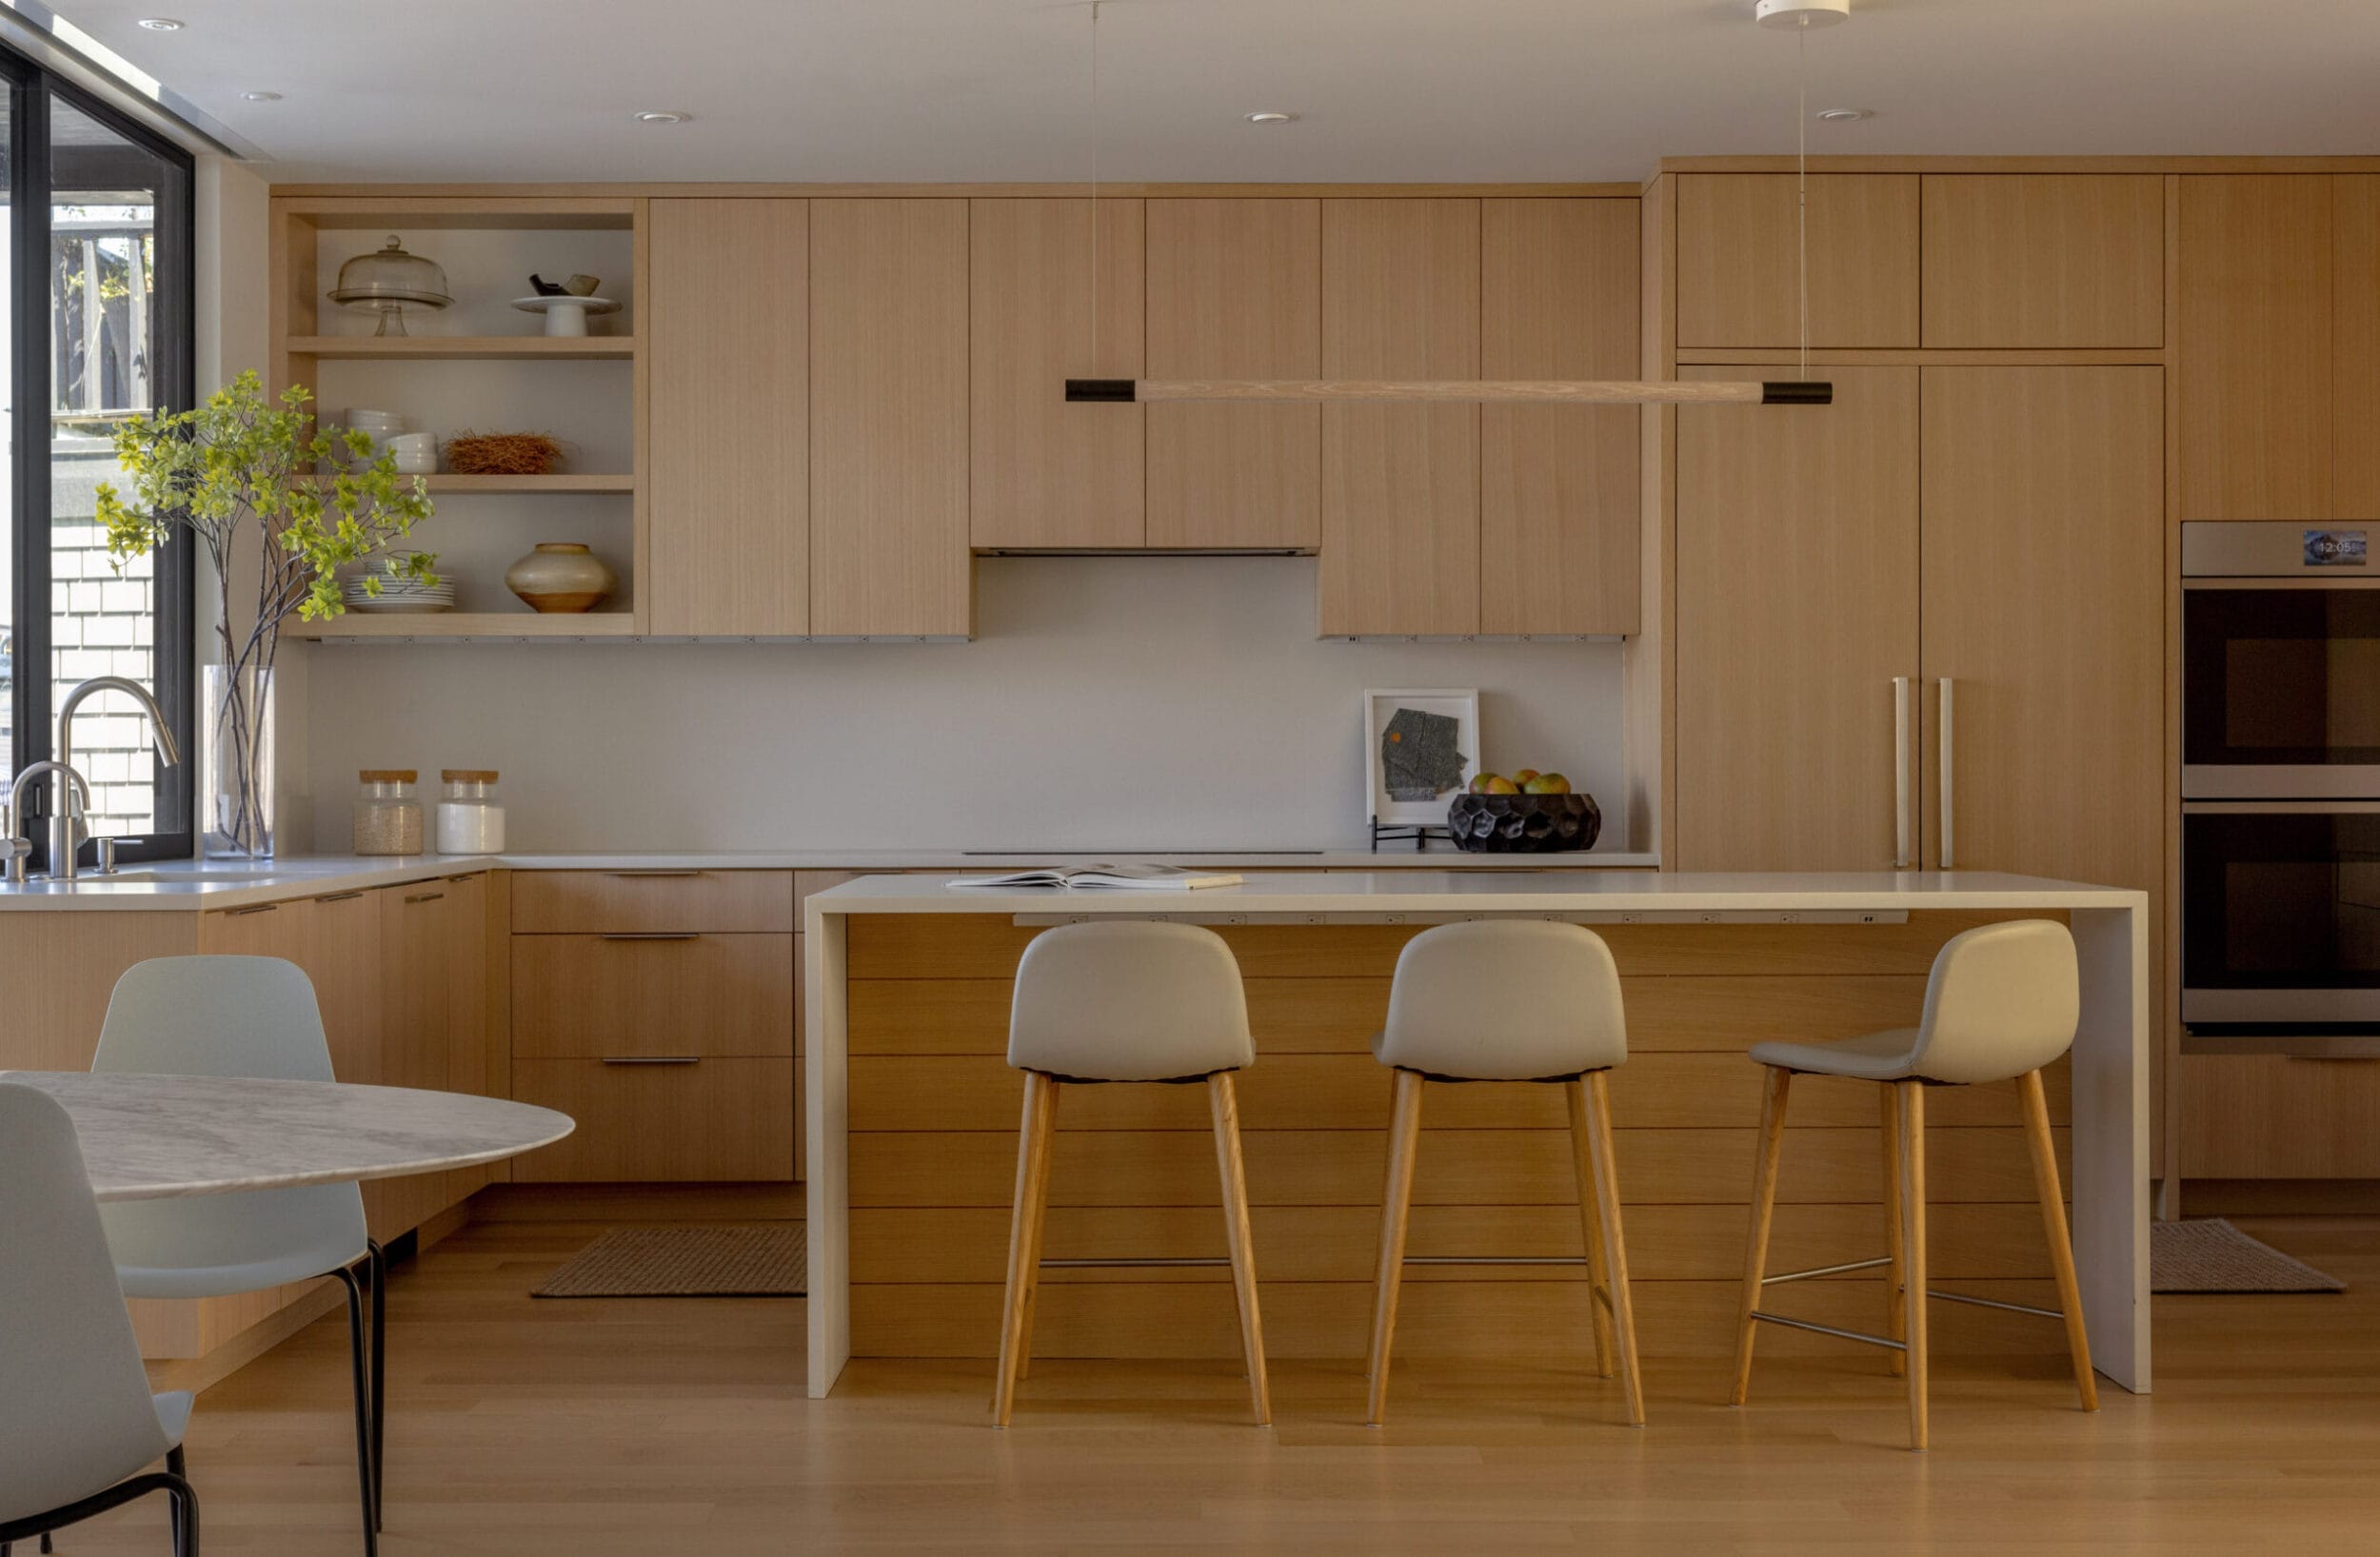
(502, 454)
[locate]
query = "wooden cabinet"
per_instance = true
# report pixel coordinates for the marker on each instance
(1044, 473)
(2355, 347)
(888, 418)
(726, 317)
(1235, 291)
(421, 927)
(1798, 599)
(652, 996)
(1400, 484)
(665, 901)
(2255, 385)
(1738, 260)
(2279, 1116)
(711, 1120)
(1557, 484)
(2043, 260)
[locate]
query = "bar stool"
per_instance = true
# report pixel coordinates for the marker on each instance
(1509, 1001)
(2001, 1003)
(1125, 1000)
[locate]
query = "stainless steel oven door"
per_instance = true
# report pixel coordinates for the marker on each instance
(2281, 915)
(2280, 689)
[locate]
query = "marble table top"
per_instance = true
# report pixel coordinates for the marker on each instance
(150, 1137)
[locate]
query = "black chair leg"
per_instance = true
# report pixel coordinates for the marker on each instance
(357, 1348)
(380, 1378)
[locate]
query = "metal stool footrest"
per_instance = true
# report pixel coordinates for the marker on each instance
(1840, 1334)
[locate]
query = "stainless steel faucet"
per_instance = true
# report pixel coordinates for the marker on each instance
(14, 848)
(62, 840)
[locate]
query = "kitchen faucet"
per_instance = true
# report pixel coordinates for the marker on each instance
(62, 821)
(14, 848)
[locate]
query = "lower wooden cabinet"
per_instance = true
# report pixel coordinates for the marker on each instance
(642, 996)
(728, 1120)
(2278, 1116)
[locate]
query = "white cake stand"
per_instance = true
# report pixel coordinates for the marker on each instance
(565, 315)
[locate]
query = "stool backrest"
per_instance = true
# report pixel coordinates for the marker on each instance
(75, 1413)
(2002, 999)
(1129, 1001)
(1522, 999)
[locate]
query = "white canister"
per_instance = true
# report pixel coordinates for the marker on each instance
(470, 819)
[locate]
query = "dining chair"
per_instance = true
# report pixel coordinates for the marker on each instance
(1524, 1000)
(246, 1016)
(1125, 1002)
(78, 1427)
(2002, 1001)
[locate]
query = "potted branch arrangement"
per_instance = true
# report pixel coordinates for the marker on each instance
(238, 476)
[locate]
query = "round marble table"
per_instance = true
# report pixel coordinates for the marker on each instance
(149, 1137)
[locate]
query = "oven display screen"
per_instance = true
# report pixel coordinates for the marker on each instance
(2335, 548)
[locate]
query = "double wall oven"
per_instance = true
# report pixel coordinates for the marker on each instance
(2281, 785)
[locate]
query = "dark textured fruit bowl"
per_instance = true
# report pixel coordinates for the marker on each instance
(1524, 824)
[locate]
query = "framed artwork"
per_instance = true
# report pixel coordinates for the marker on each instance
(1421, 750)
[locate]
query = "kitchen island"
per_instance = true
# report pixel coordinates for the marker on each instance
(911, 1120)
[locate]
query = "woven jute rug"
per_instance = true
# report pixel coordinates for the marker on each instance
(2213, 1256)
(689, 1261)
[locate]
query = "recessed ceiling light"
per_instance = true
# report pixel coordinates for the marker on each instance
(261, 97)
(663, 116)
(161, 24)
(1271, 116)
(1843, 116)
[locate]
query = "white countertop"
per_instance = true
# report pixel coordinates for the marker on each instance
(226, 883)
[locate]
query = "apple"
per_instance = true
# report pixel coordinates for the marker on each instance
(1546, 783)
(1497, 784)
(1479, 783)
(1523, 776)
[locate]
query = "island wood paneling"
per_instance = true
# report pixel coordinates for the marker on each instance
(726, 312)
(888, 418)
(1400, 484)
(1740, 259)
(2042, 260)
(1557, 484)
(1046, 473)
(933, 1108)
(1235, 291)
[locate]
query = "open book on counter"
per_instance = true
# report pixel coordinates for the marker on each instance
(1137, 878)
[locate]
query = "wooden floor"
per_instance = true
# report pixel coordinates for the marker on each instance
(681, 1426)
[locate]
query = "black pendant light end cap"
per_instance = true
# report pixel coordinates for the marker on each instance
(1792, 392)
(1100, 390)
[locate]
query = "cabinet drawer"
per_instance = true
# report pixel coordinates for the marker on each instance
(2271, 1117)
(652, 993)
(591, 902)
(705, 1121)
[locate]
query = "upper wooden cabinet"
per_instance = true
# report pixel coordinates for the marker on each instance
(1738, 260)
(1235, 291)
(1557, 484)
(2051, 260)
(2256, 383)
(1047, 474)
(726, 316)
(1400, 484)
(2355, 345)
(888, 418)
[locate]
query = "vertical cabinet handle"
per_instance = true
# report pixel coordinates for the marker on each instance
(1950, 776)
(1901, 859)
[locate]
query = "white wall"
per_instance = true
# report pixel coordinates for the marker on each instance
(1107, 703)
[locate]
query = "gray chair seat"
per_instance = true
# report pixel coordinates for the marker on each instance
(1889, 1056)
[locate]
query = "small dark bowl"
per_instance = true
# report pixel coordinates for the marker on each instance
(1524, 824)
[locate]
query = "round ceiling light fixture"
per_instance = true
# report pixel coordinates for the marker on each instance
(1272, 116)
(162, 24)
(260, 97)
(1842, 116)
(663, 116)
(1801, 13)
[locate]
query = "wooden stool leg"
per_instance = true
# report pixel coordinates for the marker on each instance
(1033, 1140)
(1223, 1097)
(2053, 1226)
(1598, 1264)
(1033, 1258)
(1405, 1132)
(1895, 1275)
(1780, 1082)
(1912, 1191)
(1591, 1116)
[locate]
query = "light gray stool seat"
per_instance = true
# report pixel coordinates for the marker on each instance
(1525, 1000)
(2001, 1002)
(1115, 1002)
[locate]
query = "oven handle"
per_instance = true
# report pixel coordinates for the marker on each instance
(2279, 808)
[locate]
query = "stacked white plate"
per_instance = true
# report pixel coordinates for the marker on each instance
(382, 426)
(399, 594)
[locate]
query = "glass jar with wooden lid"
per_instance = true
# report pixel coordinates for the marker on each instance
(387, 812)
(470, 819)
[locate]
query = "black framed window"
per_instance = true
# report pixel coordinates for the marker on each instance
(98, 273)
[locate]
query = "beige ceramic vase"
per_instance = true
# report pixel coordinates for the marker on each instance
(560, 575)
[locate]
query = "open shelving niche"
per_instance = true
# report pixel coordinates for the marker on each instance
(483, 364)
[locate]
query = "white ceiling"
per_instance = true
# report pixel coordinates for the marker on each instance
(1389, 89)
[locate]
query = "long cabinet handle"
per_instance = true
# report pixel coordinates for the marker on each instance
(652, 1060)
(1950, 776)
(651, 935)
(1901, 859)
(424, 897)
(631, 875)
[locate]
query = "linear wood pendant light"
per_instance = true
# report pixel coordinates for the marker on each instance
(1800, 392)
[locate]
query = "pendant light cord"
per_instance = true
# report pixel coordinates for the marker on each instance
(1801, 179)
(1092, 365)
